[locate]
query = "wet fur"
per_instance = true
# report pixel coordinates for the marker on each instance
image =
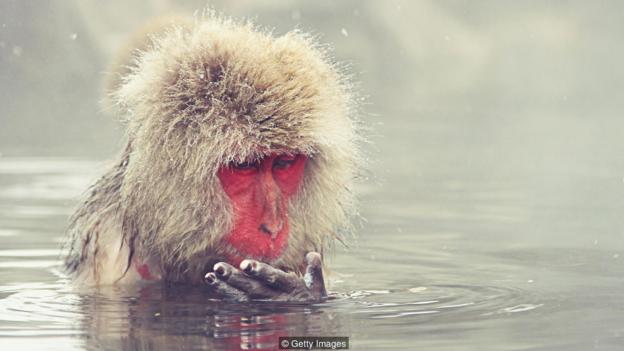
(200, 97)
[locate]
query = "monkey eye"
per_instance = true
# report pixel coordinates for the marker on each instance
(283, 162)
(244, 166)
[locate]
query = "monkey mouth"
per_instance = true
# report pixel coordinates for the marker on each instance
(258, 245)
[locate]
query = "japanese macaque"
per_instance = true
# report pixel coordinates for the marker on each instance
(241, 154)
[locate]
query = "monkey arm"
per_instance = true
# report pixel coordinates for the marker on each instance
(260, 281)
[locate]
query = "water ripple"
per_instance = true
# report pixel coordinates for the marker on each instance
(463, 301)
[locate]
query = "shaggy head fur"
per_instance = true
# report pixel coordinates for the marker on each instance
(201, 97)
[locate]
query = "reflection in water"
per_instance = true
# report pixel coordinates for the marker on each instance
(166, 318)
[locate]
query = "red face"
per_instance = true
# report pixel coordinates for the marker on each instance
(259, 192)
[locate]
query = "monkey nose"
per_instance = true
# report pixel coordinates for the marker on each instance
(271, 230)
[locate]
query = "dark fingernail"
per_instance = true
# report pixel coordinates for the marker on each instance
(219, 269)
(246, 266)
(210, 278)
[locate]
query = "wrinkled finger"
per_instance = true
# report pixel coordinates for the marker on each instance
(271, 276)
(314, 275)
(239, 280)
(224, 289)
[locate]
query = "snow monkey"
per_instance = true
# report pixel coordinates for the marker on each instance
(241, 153)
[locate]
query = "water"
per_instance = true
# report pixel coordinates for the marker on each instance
(441, 264)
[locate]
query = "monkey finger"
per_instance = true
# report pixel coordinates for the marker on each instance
(271, 276)
(224, 289)
(314, 275)
(237, 279)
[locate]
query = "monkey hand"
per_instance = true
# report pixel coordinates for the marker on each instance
(260, 281)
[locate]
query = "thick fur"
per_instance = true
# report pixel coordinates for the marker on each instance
(200, 97)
